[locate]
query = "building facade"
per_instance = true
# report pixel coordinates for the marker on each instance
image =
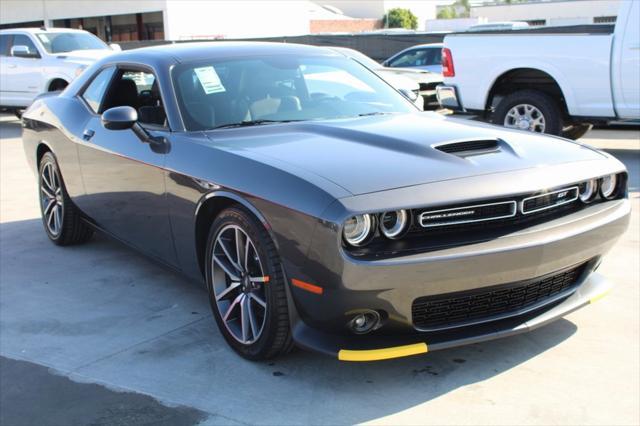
(122, 21)
(551, 12)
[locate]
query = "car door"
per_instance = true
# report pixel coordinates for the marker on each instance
(5, 63)
(21, 76)
(629, 78)
(123, 172)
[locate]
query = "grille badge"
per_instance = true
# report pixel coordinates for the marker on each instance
(468, 214)
(549, 200)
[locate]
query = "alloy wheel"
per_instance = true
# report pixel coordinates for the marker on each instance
(525, 117)
(51, 198)
(239, 284)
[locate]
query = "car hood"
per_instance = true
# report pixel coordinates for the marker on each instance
(419, 76)
(377, 153)
(84, 56)
(398, 81)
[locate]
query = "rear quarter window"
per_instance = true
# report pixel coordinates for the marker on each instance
(5, 43)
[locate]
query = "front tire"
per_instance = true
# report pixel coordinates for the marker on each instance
(246, 284)
(530, 110)
(61, 219)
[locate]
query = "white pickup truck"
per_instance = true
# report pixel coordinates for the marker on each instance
(556, 80)
(36, 60)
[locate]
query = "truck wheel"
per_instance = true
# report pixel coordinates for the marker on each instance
(529, 110)
(577, 131)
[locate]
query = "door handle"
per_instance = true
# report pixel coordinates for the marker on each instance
(88, 134)
(12, 66)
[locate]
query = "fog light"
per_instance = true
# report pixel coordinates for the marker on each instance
(365, 322)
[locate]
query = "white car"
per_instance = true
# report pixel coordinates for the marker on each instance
(550, 80)
(419, 86)
(36, 60)
(422, 57)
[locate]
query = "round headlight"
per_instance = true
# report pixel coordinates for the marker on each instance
(588, 190)
(608, 186)
(393, 224)
(358, 229)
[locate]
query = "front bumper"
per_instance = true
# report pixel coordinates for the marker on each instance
(448, 97)
(391, 286)
(361, 348)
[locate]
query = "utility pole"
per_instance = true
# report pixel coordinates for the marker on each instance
(46, 21)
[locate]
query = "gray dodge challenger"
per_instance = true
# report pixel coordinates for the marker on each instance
(319, 207)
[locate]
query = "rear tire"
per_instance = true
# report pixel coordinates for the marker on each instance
(529, 110)
(241, 280)
(61, 219)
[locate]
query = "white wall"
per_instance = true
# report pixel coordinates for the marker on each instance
(559, 11)
(457, 24)
(193, 19)
(12, 11)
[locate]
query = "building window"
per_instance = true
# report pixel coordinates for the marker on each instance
(537, 22)
(604, 19)
(32, 24)
(117, 28)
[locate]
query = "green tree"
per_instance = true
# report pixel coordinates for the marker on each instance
(446, 13)
(400, 18)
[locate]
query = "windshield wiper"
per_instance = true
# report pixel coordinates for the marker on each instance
(250, 123)
(367, 114)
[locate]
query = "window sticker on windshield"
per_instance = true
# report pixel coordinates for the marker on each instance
(209, 79)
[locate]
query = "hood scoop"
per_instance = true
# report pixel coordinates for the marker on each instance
(466, 148)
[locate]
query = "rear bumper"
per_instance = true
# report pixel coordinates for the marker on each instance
(448, 97)
(361, 348)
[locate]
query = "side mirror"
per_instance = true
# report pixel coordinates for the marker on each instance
(21, 51)
(115, 47)
(385, 64)
(119, 118)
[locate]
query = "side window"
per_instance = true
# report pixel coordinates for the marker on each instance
(5, 42)
(409, 59)
(23, 40)
(139, 90)
(94, 93)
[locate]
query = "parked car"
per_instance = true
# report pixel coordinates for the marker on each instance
(319, 207)
(36, 60)
(420, 82)
(407, 87)
(499, 26)
(424, 57)
(552, 80)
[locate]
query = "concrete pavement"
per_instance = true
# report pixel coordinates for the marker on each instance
(102, 314)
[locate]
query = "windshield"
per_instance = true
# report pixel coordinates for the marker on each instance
(67, 42)
(280, 88)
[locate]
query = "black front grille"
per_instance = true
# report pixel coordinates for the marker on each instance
(549, 200)
(491, 303)
(468, 146)
(470, 214)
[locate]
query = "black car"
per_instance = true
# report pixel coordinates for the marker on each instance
(320, 207)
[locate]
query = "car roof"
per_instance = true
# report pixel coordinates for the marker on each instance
(196, 51)
(420, 46)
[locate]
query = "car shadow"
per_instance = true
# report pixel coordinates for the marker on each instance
(102, 312)
(10, 126)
